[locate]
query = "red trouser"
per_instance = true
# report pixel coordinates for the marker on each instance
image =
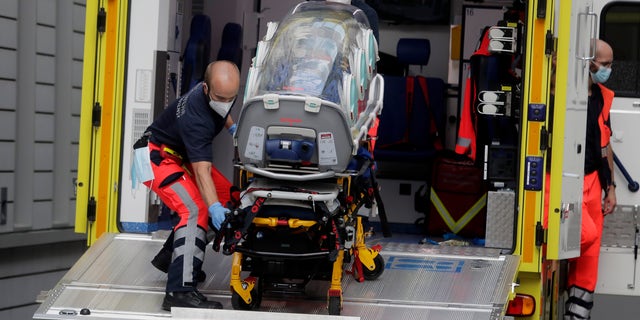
(177, 188)
(583, 270)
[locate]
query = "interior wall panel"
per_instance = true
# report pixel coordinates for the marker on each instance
(44, 130)
(7, 124)
(43, 154)
(8, 94)
(45, 40)
(8, 67)
(45, 98)
(9, 8)
(9, 29)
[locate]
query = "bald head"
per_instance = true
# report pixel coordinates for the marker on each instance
(222, 80)
(604, 52)
(600, 66)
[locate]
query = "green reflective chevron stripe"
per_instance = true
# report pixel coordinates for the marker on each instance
(456, 225)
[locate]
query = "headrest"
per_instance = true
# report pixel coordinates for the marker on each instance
(200, 28)
(232, 34)
(231, 44)
(413, 51)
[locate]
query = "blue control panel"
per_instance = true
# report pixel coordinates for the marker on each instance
(537, 112)
(533, 174)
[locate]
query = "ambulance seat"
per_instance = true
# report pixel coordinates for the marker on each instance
(411, 51)
(196, 52)
(404, 134)
(231, 44)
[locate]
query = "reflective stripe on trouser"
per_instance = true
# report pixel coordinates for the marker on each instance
(583, 270)
(189, 241)
(182, 196)
(579, 304)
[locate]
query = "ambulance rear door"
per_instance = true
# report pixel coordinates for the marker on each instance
(619, 270)
(575, 48)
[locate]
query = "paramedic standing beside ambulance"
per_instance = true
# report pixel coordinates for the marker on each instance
(180, 143)
(598, 177)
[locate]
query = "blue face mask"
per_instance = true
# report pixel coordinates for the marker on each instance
(602, 75)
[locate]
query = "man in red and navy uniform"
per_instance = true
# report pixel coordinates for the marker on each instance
(181, 152)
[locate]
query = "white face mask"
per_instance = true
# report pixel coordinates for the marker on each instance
(221, 108)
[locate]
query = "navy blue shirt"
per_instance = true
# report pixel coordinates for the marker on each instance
(593, 149)
(188, 126)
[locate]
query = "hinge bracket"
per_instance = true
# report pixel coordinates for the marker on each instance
(102, 20)
(91, 209)
(96, 114)
(549, 43)
(539, 234)
(541, 11)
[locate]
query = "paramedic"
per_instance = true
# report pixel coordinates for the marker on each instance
(180, 144)
(598, 177)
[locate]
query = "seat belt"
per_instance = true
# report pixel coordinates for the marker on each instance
(408, 107)
(435, 135)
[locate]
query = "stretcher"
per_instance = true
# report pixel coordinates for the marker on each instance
(304, 145)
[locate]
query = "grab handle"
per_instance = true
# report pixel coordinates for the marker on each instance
(582, 52)
(632, 185)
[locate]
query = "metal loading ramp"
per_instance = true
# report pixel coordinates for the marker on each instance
(114, 280)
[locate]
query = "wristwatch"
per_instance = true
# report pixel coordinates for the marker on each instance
(613, 184)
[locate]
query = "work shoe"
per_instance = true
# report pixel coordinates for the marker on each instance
(188, 299)
(162, 260)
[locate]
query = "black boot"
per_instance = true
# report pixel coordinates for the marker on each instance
(162, 260)
(200, 276)
(188, 299)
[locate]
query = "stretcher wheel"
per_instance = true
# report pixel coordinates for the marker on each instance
(377, 271)
(256, 299)
(335, 306)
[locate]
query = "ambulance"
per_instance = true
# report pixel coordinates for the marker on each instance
(492, 255)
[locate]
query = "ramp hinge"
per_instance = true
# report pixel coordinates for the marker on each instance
(102, 20)
(96, 114)
(539, 234)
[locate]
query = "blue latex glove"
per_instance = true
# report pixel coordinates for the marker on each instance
(232, 129)
(217, 213)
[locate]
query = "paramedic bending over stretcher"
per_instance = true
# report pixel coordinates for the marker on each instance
(181, 152)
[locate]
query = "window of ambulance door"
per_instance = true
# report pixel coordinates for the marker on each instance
(620, 27)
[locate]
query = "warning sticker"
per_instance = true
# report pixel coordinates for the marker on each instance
(255, 144)
(327, 149)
